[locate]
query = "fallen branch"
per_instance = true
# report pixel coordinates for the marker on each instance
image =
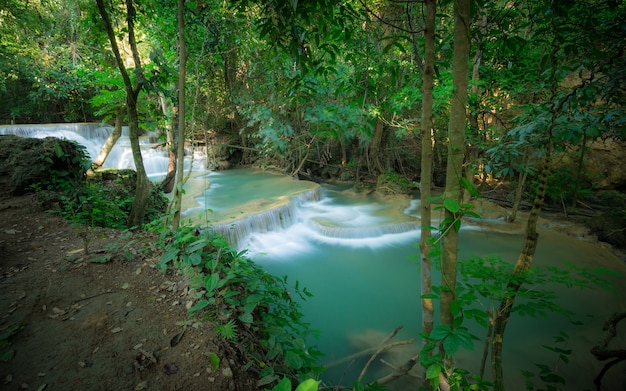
(399, 371)
(602, 351)
(382, 347)
(359, 354)
(92, 296)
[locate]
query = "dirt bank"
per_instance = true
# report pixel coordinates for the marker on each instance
(119, 325)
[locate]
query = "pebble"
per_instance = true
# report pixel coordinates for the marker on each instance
(227, 372)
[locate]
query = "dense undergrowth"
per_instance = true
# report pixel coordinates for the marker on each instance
(257, 311)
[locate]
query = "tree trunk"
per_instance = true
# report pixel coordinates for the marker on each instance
(527, 254)
(143, 188)
(180, 152)
(520, 187)
(427, 164)
(143, 185)
(170, 141)
(524, 261)
(374, 151)
(111, 140)
(518, 196)
(456, 148)
(472, 151)
(579, 170)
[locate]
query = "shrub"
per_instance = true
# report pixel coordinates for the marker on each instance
(250, 307)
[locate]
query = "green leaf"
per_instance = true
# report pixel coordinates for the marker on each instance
(169, 255)
(451, 205)
(455, 307)
(211, 281)
(101, 259)
(196, 246)
(309, 385)
(7, 355)
(293, 359)
(214, 359)
(283, 385)
(433, 371)
(12, 330)
(246, 317)
(201, 304)
(472, 214)
(195, 258)
(451, 344)
(440, 332)
(469, 187)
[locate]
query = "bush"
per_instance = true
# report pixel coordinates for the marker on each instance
(103, 199)
(250, 307)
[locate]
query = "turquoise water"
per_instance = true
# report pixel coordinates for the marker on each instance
(366, 285)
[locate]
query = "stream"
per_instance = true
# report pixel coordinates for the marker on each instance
(358, 256)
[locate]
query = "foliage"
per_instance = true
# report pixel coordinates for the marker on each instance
(252, 308)
(307, 385)
(393, 183)
(94, 201)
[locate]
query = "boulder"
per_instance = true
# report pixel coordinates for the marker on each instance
(28, 162)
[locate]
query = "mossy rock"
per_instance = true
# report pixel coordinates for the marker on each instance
(26, 162)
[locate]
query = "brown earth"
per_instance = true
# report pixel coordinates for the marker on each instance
(118, 325)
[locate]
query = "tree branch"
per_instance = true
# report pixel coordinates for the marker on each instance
(383, 21)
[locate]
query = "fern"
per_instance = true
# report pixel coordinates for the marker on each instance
(228, 331)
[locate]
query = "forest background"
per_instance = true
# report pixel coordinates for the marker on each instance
(348, 90)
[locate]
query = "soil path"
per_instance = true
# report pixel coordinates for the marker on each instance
(97, 326)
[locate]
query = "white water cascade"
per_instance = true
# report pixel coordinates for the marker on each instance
(92, 136)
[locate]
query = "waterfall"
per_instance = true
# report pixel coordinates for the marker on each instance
(362, 232)
(87, 130)
(276, 218)
(92, 136)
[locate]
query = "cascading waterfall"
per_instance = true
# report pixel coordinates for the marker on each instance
(92, 136)
(85, 130)
(276, 218)
(363, 232)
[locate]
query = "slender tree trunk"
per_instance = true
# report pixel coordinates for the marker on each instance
(579, 170)
(182, 74)
(143, 186)
(527, 254)
(518, 196)
(520, 188)
(427, 164)
(524, 261)
(472, 151)
(374, 151)
(112, 139)
(456, 149)
(143, 189)
(170, 141)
